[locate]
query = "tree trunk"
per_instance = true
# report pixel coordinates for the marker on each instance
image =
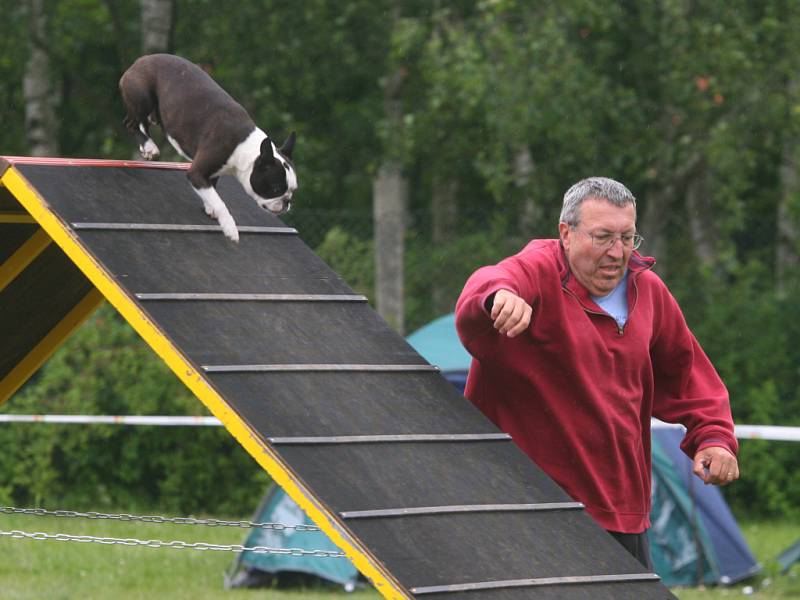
(444, 215)
(389, 206)
(786, 251)
(156, 25)
(701, 217)
(530, 213)
(787, 258)
(653, 227)
(41, 122)
(390, 199)
(657, 209)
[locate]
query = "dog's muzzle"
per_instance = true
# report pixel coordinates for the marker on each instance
(276, 206)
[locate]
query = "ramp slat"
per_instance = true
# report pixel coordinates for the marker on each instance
(435, 510)
(387, 439)
(256, 297)
(622, 590)
(542, 581)
(172, 227)
(313, 367)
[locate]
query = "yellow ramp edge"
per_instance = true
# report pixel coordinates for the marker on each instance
(281, 473)
(16, 218)
(24, 255)
(48, 345)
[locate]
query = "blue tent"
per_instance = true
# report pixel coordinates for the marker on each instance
(438, 343)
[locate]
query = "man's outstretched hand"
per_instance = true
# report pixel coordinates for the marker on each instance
(716, 465)
(510, 313)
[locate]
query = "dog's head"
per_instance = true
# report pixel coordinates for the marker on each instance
(273, 178)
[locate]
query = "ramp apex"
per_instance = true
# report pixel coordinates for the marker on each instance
(6, 161)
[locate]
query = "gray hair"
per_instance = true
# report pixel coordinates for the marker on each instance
(594, 187)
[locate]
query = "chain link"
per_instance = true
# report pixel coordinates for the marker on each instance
(157, 519)
(178, 545)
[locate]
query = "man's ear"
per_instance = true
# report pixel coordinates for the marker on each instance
(564, 231)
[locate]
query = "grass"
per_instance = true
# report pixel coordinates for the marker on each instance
(62, 570)
(33, 569)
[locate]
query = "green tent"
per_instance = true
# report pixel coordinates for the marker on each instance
(679, 543)
(252, 569)
(694, 538)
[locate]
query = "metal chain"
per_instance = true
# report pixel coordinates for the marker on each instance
(157, 519)
(63, 537)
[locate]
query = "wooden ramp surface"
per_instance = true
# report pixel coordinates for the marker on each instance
(422, 492)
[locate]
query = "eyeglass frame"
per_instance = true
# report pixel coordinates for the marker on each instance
(635, 239)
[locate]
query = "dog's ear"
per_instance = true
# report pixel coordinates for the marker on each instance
(267, 155)
(288, 145)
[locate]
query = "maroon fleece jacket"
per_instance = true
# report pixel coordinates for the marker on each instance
(576, 393)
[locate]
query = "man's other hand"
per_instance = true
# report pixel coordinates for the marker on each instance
(510, 313)
(716, 465)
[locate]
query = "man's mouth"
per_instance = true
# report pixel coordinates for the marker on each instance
(609, 269)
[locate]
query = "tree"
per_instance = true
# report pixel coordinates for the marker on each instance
(390, 204)
(156, 25)
(41, 95)
(787, 244)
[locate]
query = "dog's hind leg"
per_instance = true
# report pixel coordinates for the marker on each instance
(212, 203)
(139, 106)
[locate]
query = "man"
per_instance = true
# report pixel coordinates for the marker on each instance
(576, 343)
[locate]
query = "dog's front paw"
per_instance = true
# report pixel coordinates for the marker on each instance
(229, 229)
(232, 234)
(149, 150)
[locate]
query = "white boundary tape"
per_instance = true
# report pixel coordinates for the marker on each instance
(111, 420)
(748, 432)
(768, 432)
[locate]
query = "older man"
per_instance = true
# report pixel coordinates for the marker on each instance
(576, 344)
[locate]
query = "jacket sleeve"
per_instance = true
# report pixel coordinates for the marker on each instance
(473, 317)
(688, 389)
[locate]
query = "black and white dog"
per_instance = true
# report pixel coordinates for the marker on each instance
(208, 127)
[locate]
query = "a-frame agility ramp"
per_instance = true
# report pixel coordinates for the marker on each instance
(424, 494)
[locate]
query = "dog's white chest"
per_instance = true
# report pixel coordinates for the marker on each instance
(240, 162)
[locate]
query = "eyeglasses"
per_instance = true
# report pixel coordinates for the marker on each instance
(604, 241)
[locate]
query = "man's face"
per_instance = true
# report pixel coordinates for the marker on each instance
(599, 269)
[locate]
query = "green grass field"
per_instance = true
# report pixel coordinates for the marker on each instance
(60, 570)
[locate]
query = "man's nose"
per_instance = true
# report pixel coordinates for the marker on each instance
(617, 249)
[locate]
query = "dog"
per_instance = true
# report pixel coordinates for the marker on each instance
(209, 128)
